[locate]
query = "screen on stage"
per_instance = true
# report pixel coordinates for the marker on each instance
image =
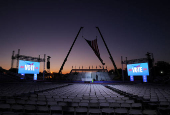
(28, 67)
(138, 69)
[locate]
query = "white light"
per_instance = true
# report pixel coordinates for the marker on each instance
(161, 71)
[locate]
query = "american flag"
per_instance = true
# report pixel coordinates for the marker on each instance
(94, 46)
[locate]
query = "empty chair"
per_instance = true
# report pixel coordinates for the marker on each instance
(94, 105)
(10, 101)
(74, 105)
(153, 105)
(67, 100)
(125, 105)
(121, 111)
(85, 101)
(129, 101)
(83, 104)
(42, 114)
(164, 104)
(29, 109)
(41, 103)
(104, 105)
(94, 101)
(31, 102)
(125, 98)
(62, 103)
(17, 108)
(56, 114)
(94, 111)
(76, 100)
(33, 98)
(135, 112)
(111, 101)
(163, 110)
(114, 105)
(120, 101)
(33, 95)
(24, 98)
(4, 107)
(68, 110)
(102, 101)
(21, 102)
(52, 103)
(10, 113)
(107, 111)
(42, 109)
(136, 106)
(149, 112)
(56, 109)
(50, 99)
(81, 111)
(58, 99)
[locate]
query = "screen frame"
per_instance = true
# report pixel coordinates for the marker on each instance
(136, 74)
(20, 71)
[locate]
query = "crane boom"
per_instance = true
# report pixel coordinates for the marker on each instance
(69, 51)
(111, 58)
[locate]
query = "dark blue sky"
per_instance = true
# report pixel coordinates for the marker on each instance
(130, 28)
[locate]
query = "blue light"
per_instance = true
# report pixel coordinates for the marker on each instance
(35, 76)
(144, 78)
(131, 78)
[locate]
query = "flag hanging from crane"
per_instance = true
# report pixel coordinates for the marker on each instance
(94, 46)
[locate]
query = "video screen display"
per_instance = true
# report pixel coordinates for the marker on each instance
(28, 67)
(138, 69)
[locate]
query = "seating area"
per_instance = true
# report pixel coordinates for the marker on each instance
(8, 78)
(151, 96)
(19, 89)
(70, 99)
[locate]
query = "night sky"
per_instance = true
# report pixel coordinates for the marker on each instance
(131, 28)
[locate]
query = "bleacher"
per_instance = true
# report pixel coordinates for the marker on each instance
(83, 76)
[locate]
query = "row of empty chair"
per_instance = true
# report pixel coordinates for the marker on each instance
(156, 97)
(8, 78)
(154, 93)
(14, 89)
(74, 99)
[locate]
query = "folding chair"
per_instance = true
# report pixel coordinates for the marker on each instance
(94, 111)
(56, 109)
(107, 111)
(81, 111)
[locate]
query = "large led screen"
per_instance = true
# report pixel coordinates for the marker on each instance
(138, 69)
(28, 67)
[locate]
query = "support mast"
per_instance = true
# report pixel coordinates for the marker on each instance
(111, 58)
(69, 51)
